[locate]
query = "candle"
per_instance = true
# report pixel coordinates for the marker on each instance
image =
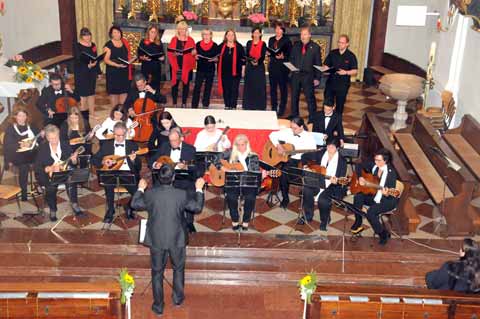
(433, 48)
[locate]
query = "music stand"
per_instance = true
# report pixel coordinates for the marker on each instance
(301, 177)
(115, 178)
(274, 190)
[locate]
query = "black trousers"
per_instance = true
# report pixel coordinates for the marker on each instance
(23, 170)
(324, 202)
(200, 78)
(249, 195)
(230, 91)
(303, 81)
(284, 179)
(110, 195)
(338, 95)
(185, 91)
(159, 261)
(51, 195)
(278, 81)
(374, 210)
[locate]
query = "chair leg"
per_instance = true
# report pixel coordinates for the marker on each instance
(394, 221)
(224, 208)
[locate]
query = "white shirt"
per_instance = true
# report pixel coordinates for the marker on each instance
(108, 125)
(56, 156)
(203, 141)
(120, 151)
(242, 158)
(175, 154)
(26, 134)
(304, 141)
(327, 120)
(383, 179)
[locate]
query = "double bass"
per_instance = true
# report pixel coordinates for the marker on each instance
(64, 103)
(144, 107)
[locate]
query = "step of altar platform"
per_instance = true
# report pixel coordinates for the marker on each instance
(219, 258)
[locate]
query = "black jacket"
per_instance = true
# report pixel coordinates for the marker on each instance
(44, 159)
(305, 63)
(10, 147)
(48, 98)
(443, 279)
(107, 148)
(204, 65)
(166, 205)
(391, 181)
(335, 125)
(285, 46)
(133, 95)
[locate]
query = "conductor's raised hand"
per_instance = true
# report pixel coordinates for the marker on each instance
(199, 183)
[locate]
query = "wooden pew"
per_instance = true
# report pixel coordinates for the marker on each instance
(378, 137)
(465, 142)
(391, 302)
(439, 180)
(32, 300)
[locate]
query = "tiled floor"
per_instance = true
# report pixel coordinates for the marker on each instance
(272, 220)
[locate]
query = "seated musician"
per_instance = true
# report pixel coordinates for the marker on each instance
(48, 156)
(180, 153)
(19, 130)
(207, 138)
(328, 122)
(49, 96)
(140, 90)
(381, 202)
(161, 131)
(117, 114)
(241, 152)
(121, 147)
(74, 127)
(297, 135)
(336, 166)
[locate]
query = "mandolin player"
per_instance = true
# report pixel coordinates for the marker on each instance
(119, 146)
(211, 138)
(381, 202)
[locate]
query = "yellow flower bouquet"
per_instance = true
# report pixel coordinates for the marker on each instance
(127, 283)
(307, 286)
(28, 72)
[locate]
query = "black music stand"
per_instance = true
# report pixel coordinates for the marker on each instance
(273, 193)
(301, 177)
(115, 178)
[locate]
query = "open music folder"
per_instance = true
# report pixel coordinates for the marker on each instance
(291, 67)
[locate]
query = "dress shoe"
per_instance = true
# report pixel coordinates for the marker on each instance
(357, 230)
(24, 196)
(179, 303)
(323, 226)
(244, 227)
(301, 221)
(384, 237)
(108, 219)
(284, 204)
(235, 227)
(53, 215)
(77, 210)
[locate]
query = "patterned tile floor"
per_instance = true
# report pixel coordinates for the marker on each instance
(271, 220)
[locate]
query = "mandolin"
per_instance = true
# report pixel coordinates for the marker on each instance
(86, 138)
(164, 159)
(62, 165)
(322, 170)
(29, 143)
(109, 136)
(272, 156)
(214, 146)
(217, 175)
(117, 160)
(372, 185)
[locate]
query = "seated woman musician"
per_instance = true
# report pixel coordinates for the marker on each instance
(335, 166)
(76, 131)
(211, 139)
(161, 131)
(381, 202)
(49, 160)
(117, 114)
(242, 153)
(20, 130)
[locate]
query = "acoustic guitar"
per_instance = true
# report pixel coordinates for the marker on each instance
(217, 175)
(62, 165)
(86, 138)
(372, 185)
(117, 160)
(272, 156)
(322, 170)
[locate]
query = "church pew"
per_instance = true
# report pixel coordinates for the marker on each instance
(450, 190)
(60, 300)
(465, 142)
(391, 302)
(378, 137)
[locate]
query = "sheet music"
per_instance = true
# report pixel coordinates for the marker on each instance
(291, 67)
(143, 230)
(319, 138)
(318, 67)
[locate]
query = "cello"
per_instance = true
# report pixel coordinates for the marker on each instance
(64, 103)
(143, 107)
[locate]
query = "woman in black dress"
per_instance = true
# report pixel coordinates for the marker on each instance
(75, 126)
(118, 73)
(231, 68)
(17, 131)
(86, 72)
(255, 96)
(151, 66)
(160, 132)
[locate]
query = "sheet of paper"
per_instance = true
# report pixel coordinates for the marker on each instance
(291, 67)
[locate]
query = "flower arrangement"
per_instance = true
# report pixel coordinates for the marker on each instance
(257, 18)
(190, 16)
(28, 72)
(307, 286)
(2, 7)
(304, 3)
(197, 2)
(127, 283)
(251, 4)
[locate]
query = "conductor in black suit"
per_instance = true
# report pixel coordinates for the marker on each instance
(166, 232)
(122, 147)
(304, 55)
(179, 152)
(329, 122)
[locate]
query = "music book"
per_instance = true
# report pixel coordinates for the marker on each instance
(329, 71)
(208, 58)
(127, 62)
(143, 230)
(291, 67)
(184, 51)
(274, 51)
(319, 138)
(94, 58)
(151, 55)
(250, 59)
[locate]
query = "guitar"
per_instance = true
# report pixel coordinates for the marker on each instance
(217, 175)
(62, 165)
(117, 160)
(86, 138)
(29, 143)
(214, 146)
(272, 156)
(322, 170)
(109, 136)
(372, 185)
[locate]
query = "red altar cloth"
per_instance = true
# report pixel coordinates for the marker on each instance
(257, 138)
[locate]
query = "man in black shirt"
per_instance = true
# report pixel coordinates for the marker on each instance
(329, 123)
(341, 63)
(304, 56)
(207, 52)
